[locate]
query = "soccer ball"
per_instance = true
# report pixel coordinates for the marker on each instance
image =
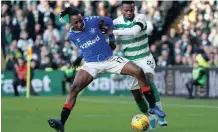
(140, 122)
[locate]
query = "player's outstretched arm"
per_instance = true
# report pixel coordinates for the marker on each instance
(140, 24)
(107, 22)
(129, 31)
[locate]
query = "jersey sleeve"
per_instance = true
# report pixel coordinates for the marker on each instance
(141, 21)
(140, 24)
(107, 20)
(128, 31)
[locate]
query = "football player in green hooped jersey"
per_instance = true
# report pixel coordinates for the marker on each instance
(131, 29)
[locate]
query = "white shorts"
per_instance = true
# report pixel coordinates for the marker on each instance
(112, 65)
(147, 64)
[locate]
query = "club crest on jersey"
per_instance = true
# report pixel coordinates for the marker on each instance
(92, 30)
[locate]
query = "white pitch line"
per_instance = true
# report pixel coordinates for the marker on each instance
(164, 104)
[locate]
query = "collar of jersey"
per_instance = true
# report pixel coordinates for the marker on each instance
(126, 20)
(71, 29)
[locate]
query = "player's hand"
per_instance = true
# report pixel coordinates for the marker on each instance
(103, 27)
(114, 33)
(109, 31)
(117, 36)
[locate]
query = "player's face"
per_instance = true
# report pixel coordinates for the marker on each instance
(128, 10)
(77, 22)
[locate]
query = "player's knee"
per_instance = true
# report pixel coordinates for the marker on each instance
(139, 72)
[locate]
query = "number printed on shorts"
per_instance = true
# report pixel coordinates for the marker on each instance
(119, 59)
(150, 63)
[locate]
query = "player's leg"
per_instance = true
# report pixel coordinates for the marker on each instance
(82, 79)
(137, 94)
(135, 71)
(148, 66)
(150, 78)
(133, 86)
(140, 101)
(123, 66)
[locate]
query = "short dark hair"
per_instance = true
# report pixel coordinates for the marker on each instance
(70, 11)
(128, 2)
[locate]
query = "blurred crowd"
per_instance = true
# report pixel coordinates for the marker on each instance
(197, 32)
(37, 23)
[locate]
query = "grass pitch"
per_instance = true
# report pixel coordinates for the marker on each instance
(105, 114)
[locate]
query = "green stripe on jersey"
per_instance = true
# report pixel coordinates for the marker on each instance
(138, 56)
(125, 25)
(129, 26)
(134, 39)
(137, 48)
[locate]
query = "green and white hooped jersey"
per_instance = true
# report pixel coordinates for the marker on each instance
(134, 47)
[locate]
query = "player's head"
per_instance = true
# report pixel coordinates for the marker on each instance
(128, 9)
(75, 18)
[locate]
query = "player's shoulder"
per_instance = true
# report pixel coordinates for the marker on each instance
(90, 18)
(140, 16)
(72, 34)
(118, 20)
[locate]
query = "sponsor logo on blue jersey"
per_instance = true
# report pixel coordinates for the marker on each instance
(90, 42)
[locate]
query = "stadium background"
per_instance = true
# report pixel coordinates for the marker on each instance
(177, 30)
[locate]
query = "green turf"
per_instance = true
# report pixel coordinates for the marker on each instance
(105, 114)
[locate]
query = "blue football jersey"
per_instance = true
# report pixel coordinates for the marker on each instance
(91, 41)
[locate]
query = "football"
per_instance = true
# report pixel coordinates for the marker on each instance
(140, 122)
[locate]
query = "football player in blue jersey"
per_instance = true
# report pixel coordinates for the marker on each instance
(99, 59)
